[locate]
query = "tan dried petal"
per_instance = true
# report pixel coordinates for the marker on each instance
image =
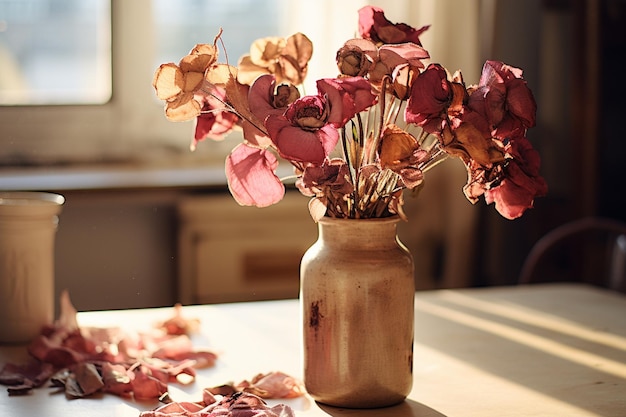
(220, 74)
(299, 47)
(285, 95)
(317, 208)
(356, 57)
(294, 59)
(204, 49)
(265, 51)
(353, 63)
(395, 145)
(457, 77)
(396, 205)
(249, 71)
(238, 98)
(168, 81)
(378, 71)
(193, 81)
(290, 71)
(199, 59)
(365, 45)
(459, 96)
(403, 77)
(183, 108)
(88, 378)
(310, 122)
(470, 143)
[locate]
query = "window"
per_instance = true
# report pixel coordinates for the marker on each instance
(179, 25)
(119, 118)
(55, 52)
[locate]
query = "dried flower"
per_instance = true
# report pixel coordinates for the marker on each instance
(389, 113)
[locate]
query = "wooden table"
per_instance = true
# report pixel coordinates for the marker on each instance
(542, 350)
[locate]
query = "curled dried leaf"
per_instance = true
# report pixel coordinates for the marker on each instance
(396, 145)
(270, 385)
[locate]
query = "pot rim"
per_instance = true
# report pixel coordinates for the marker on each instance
(29, 198)
(328, 219)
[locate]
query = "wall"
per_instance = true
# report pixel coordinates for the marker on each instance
(117, 249)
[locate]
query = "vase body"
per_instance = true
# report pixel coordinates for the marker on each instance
(357, 295)
(28, 223)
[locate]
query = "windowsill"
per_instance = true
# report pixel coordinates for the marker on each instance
(111, 177)
(120, 177)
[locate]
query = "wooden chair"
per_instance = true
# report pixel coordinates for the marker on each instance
(591, 250)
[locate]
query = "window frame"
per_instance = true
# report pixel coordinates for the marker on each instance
(37, 135)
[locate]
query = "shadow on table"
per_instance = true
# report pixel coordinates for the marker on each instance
(527, 336)
(407, 408)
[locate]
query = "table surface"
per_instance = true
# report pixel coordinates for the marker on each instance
(540, 350)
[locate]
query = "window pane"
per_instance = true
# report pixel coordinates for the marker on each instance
(182, 24)
(55, 52)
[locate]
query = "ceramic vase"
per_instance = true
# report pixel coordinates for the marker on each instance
(28, 224)
(357, 295)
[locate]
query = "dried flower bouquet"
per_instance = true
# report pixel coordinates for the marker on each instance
(367, 134)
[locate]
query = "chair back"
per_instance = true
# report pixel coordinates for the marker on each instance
(591, 249)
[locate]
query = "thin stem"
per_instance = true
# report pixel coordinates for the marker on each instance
(383, 97)
(230, 108)
(344, 143)
(394, 110)
(435, 159)
(360, 126)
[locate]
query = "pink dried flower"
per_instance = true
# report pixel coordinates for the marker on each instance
(303, 134)
(521, 182)
(346, 97)
(251, 177)
(375, 26)
(504, 98)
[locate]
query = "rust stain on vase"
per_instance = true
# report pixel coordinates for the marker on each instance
(315, 316)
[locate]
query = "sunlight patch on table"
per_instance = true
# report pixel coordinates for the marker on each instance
(525, 338)
(538, 319)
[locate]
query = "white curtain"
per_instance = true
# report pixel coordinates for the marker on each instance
(454, 37)
(459, 36)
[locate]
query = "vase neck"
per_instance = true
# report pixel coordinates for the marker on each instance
(359, 233)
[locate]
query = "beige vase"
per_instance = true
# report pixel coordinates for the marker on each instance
(28, 223)
(357, 294)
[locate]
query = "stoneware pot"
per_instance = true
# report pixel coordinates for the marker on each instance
(28, 223)
(357, 294)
